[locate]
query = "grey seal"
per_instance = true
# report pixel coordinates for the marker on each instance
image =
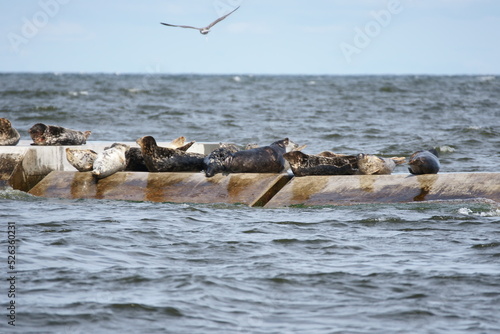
(424, 162)
(110, 161)
(164, 159)
(43, 134)
(264, 159)
(369, 164)
(8, 135)
(322, 164)
(214, 162)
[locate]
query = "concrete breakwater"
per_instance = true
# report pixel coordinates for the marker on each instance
(44, 171)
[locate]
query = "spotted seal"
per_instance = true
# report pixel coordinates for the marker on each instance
(164, 159)
(371, 164)
(110, 161)
(424, 162)
(303, 164)
(81, 159)
(135, 160)
(8, 135)
(43, 134)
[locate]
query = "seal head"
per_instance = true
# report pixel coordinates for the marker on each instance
(8, 135)
(424, 162)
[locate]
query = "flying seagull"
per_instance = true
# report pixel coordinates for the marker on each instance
(206, 29)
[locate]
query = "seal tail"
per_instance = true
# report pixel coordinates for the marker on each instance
(86, 134)
(185, 147)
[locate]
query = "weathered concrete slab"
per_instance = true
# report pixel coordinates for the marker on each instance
(358, 189)
(250, 189)
(23, 166)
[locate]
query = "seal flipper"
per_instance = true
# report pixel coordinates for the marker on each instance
(185, 147)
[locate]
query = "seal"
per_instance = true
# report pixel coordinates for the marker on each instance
(303, 164)
(424, 162)
(214, 162)
(8, 135)
(110, 161)
(371, 164)
(135, 160)
(164, 159)
(43, 134)
(264, 159)
(81, 159)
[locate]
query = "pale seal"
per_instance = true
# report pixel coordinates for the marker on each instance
(303, 164)
(81, 159)
(424, 162)
(8, 135)
(56, 135)
(164, 159)
(110, 161)
(369, 164)
(264, 159)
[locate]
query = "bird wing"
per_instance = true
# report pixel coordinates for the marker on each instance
(221, 18)
(173, 25)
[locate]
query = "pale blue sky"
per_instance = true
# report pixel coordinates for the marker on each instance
(262, 37)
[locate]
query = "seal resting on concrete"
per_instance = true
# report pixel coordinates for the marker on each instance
(371, 164)
(214, 162)
(81, 159)
(43, 134)
(8, 135)
(110, 161)
(424, 162)
(264, 159)
(303, 164)
(135, 160)
(164, 159)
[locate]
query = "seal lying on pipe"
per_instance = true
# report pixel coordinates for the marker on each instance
(164, 159)
(56, 135)
(110, 161)
(325, 164)
(424, 162)
(8, 135)
(264, 159)
(371, 164)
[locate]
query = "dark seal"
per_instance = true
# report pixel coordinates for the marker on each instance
(424, 162)
(215, 162)
(163, 159)
(43, 134)
(303, 164)
(8, 135)
(265, 159)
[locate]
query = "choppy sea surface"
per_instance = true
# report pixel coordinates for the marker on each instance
(102, 266)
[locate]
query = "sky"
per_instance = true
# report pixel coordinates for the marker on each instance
(332, 37)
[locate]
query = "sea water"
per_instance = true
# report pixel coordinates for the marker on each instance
(114, 266)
